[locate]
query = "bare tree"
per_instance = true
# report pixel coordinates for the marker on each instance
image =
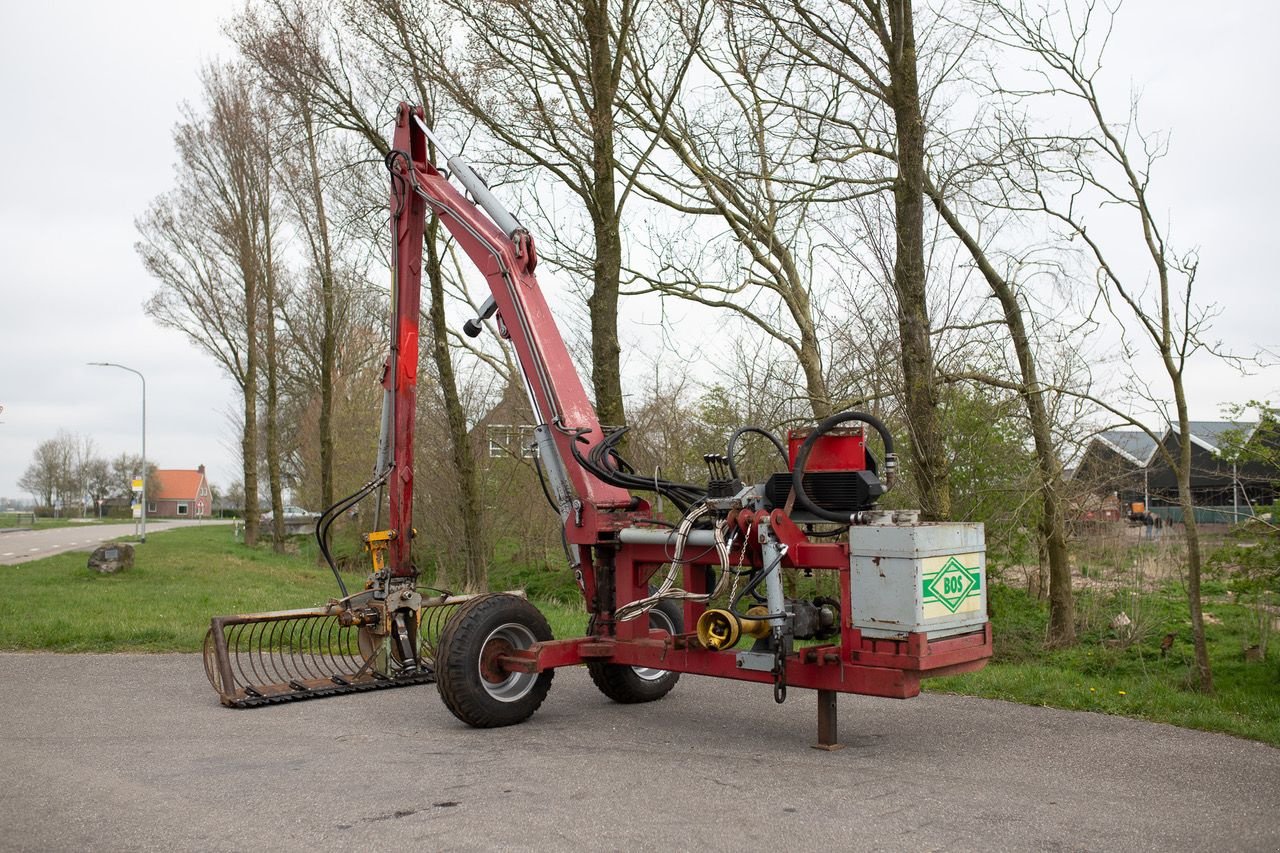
(866, 99)
(83, 455)
(874, 104)
(127, 467)
(1005, 288)
(45, 476)
(206, 242)
(98, 482)
(544, 79)
(301, 167)
(741, 162)
(289, 42)
(1074, 178)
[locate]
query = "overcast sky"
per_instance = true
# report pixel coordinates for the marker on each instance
(90, 94)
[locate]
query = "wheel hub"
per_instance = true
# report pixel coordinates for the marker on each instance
(491, 669)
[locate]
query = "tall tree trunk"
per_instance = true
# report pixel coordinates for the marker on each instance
(249, 440)
(810, 357)
(1204, 672)
(920, 398)
(273, 397)
(606, 375)
(475, 547)
(328, 296)
(810, 350)
(1062, 613)
(1053, 522)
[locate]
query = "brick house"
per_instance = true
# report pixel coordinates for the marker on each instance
(182, 494)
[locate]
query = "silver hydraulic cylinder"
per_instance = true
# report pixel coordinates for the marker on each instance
(478, 188)
(558, 482)
(771, 553)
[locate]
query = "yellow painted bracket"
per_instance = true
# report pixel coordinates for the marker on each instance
(377, 543)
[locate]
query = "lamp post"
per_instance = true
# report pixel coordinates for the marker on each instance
(144, 435)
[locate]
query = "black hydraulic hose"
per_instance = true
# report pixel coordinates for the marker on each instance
(802, 458)
(738, 433)
(606, 464)
(330, 515)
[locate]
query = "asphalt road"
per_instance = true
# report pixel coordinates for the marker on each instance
(132, 752)
(19, 546)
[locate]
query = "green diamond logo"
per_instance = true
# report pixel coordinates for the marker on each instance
(950, 585)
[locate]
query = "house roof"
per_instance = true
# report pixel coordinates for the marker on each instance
(1209, 434)
(1137, 446)
(177, 485)
(1134, 445)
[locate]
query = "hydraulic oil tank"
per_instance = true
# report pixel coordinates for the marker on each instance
(919, 577)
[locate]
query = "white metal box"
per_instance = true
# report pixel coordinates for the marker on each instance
(929, 578)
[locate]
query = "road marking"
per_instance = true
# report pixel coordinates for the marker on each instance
(33, 549)
(8, 554)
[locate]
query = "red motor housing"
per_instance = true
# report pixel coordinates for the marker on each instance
(841, 449)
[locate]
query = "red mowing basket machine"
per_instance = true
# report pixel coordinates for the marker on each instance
(707, 596)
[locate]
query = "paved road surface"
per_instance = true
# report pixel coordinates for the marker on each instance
(132, 752)
(19, 546)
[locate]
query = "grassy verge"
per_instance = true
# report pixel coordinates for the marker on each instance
(1124, 671)
(181, 578)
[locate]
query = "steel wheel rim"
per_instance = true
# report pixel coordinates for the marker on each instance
(516, 685)
(660, 620)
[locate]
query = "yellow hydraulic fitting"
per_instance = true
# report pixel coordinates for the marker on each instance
(376, 543)
(720, 629)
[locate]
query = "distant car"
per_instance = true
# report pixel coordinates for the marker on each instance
(291, 513)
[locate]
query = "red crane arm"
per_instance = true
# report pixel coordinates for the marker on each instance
(507, 262)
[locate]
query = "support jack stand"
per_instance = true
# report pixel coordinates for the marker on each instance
(827, 726)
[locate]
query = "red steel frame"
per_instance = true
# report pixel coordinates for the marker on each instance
(857, 664)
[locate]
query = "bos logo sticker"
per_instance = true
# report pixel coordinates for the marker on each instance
(952, 585)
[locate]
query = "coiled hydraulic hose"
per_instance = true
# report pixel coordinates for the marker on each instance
(802, 458)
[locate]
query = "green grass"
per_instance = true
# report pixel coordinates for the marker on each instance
(1100, 674)
(180, 579)
(23, 520)
(184, 577)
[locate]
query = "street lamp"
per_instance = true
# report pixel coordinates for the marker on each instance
(144, 435)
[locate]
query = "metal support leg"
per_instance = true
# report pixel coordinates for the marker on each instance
(827, 727)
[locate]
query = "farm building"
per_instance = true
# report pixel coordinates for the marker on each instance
(1227, 477)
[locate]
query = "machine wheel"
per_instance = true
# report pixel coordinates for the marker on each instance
(472, 684)
(632, 684)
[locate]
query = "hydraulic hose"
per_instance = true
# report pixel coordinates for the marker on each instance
(802, 458)
(330, 515)
(741, 431)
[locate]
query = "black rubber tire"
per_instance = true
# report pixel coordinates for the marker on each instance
(469, 696)
(630, 685)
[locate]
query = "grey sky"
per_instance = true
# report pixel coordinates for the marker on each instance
(90, 94)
